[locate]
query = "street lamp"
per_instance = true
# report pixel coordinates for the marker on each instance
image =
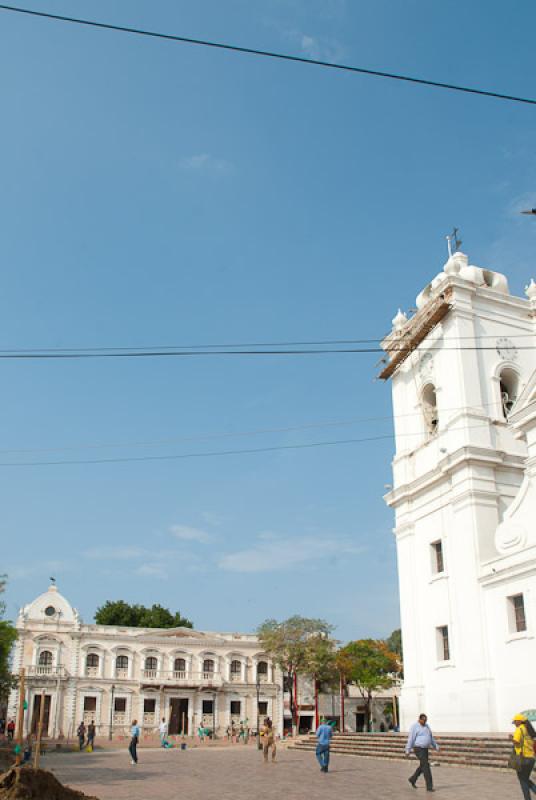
(258, 688)
(111, 713)
(530, 211)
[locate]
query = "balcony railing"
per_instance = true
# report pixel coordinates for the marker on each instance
(182, 678)
(39, 671)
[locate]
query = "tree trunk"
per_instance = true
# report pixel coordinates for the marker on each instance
(296, 705)
(290, 681)
(341, 689)
(316, 703)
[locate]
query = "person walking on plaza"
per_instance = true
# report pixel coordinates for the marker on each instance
(163, 728)
(134, 739)
(268, 740)
(91, 730)
(324, 732)
(81, 733)
(420, 740)
(523, 760)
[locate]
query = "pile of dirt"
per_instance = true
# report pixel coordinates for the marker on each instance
(25, 783)
(7, 758)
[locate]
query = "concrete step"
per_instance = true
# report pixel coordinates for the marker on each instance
(384, 752)
(460, 750)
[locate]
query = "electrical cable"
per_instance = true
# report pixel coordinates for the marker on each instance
(73, 355)
(269, 54)
(233, 345)
(213, 453)
(233, 434)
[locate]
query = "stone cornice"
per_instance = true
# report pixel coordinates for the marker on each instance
(502, 573)
(464, 456)
(169, 643)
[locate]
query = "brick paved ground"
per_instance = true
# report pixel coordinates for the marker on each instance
(238, 773)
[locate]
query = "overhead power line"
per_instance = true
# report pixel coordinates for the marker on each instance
(206, 437)
(214, 453)
(73, 355)
(236, 345)
(268, 54)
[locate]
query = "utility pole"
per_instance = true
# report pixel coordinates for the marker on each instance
(20, 718)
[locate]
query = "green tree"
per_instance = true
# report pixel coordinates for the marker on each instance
(371, 666)
(394, 642)
(288, 643)
(117, 612)
(8, 635)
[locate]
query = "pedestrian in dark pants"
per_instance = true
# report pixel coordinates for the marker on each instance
(135, 735)
(524, 741)
(324, 732)
(91, 735)
(10, 730)
(420, 740)
(81, 733)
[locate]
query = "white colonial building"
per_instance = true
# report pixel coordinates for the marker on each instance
(111, 675)
(463, 372)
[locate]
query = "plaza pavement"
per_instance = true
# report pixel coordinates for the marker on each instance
(238, 773)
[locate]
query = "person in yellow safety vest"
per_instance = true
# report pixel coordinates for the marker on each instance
(523, 740)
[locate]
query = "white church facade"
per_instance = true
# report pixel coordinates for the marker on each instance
(463, 374)
(111, 675)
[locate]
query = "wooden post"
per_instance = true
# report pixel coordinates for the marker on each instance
(182, 727)
(39, 731)
(20, 718)
(395, 715)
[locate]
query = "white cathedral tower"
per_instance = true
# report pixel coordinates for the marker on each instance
(463, 373)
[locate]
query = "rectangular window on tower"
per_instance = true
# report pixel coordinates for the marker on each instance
(443, 646)
(438, 562)
(516, 614)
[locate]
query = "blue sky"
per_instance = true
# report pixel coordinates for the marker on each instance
(161, 194)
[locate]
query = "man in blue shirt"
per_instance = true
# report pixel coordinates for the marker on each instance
(135, 736)
(420, 740)
(324, 732)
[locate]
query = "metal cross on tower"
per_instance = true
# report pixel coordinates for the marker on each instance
(453, 243)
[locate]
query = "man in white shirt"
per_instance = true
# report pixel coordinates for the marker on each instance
(163, 728)
(420, 740)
